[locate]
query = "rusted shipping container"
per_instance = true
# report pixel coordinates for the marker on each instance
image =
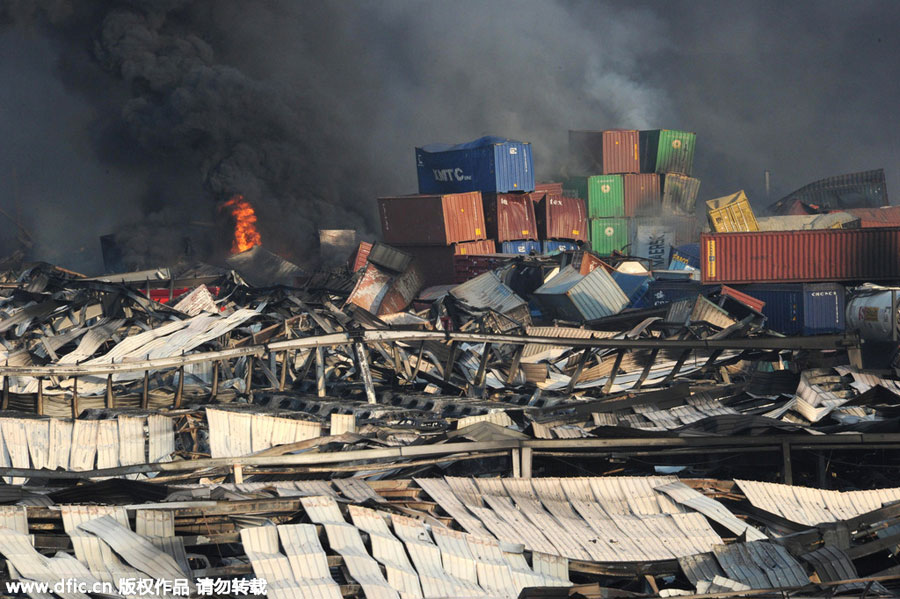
(642, 194)
(359, 257)
(435, 262)
(888, 216)
(605, 152)
(800, 256)
(542, 189)
(468, 266)
(432, 219)
(561, 217)
(509, 216)
(381, 291)
(866, 189)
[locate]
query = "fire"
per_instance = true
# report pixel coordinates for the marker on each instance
(245, 234)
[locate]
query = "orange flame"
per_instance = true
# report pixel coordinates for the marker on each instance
(245, 234)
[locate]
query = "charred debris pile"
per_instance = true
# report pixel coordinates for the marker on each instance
(525, 390)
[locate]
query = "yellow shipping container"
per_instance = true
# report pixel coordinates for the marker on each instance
(731, 214)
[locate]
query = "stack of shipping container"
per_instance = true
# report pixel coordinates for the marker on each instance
(638, 188)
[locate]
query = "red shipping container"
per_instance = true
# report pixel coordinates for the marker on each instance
(889, 216)
(509, 216)
(469, 266)
(358, 259)
(561, 217)
(435, 262)
(542, 189)
(801, 256)
(432, 219)
(642, 195)
(605, 152)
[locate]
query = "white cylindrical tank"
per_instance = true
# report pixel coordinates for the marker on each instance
(869, 312)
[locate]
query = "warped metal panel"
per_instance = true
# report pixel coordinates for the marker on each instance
(387, 550)
(14, 518)
(173, 547)
(60, 443)
(308, 561)
(29, 564)
(162, 438)
(440, 492)
(494, 574)
(357, 490)
(522, 574)
(553, 568)
(700, 567)
(261, 432)
(136, 550)
(16, 442)
(435, 580)
(261, 546)
(345, 540)
(322, 509)
(710, 508)
(154, 523)
(38, 434)
(91, 550)
(529, 534)
(84, 445)
(600, 522)
(455, 554)
(566, 544)
(107, 443)
(131, 440)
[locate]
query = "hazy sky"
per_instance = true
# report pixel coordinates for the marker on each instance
(138, 117)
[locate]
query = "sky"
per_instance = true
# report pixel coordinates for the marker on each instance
(139, 118)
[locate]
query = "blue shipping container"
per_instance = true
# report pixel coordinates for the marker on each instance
(634, 286)
(660, 293)
(488, 164)
(520, 247)
(685, 255)
(801, 308)
(551, 246)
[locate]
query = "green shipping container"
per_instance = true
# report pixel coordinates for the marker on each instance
(680, 194)
(667, 151)
(610, 234)
(576, 187)
(606, 196)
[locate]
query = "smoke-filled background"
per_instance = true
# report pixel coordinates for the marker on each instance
(140, 117)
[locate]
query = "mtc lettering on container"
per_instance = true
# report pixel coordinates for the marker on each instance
(489, 164)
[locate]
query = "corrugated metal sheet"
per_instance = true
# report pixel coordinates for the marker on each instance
(30, 564)
(710, 508)
(545, 188)
(234, 434)
(561, 217)
(387, 550)
(432, 219)
(834, 220)
(698, 309)
(797, 256)
(604, 152)
(509, 216)
(761, 565)
(809, 506)
(390, 258)
(643, 194)
(731, 214)
(522, 248)
(161, 443)
(436, 264)
(308, 561)
(886, 216)
(441, 493)
(260, 267)
(667, 151)
(866, 189)
(680, 193)
(610, 234)
(488, 291)
(573, 296)
(359, 257)
(154, 523)
(485, 164)
(801, 308)
(605, 196)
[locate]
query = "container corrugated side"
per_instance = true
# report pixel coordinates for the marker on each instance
(799, 256)
(686, 228)
(680, 193)
(606, 196)
(561, 217)
(604, 152)
(642, 194)
(888, 216)
(509, 216)
(576, 297)
(551, 245)
(523, 248)
(435, 262)
(667, 151)
(359, 257)
(731, 214)
(486, 164)
(801, 308)
(610, 234)
(389, 257)
(432, 219)
(488, 291)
